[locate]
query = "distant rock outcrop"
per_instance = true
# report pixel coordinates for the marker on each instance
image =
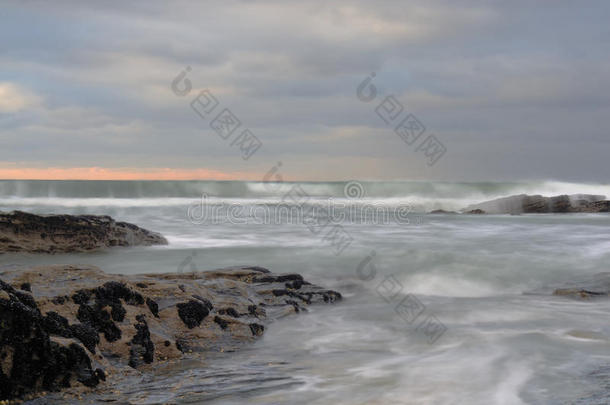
(24, 232)
(537, 204)
(596, 286)
(476, 212)
(80, 326)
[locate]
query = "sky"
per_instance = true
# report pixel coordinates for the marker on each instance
(511, 91)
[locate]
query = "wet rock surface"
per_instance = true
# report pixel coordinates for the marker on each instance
(590, 287)
(442, 212)
(30, 358)
(24, 232)
(80, 326)
(537, 204)
(597, 286)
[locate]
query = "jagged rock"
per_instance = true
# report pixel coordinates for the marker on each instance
(193, 312)
(442, 212)
(95, 322)
(476, 212)
(596, 286)
(537, 204)
(142, 347)
(24, 232)
(586, 287)
(30, 358)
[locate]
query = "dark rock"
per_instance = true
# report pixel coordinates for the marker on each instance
(442, 212)
(192, 313)
(258, 269)
(476, 212)
(153, 306)
(100, 374)
(597, 206)
(99, 319)
(229, 311)
(26, 287)
(108, 295)
(24, 232)
(142, 348)
(205, 302)
(25, 298)
(86, 334)
(296, 284)
(295, 305)
(537, 204)
(111, 305)
(59, 300)
(36, 362)
(278, 279)
(257, 329)
(591, 287)
(56, 324)
(221, 322)
(117, 312)
(113, 291)
(183, 345)
(331, 296)
(279, 293)
(82, 296)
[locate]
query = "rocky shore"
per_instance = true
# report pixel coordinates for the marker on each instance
(537, 204)
(25, 232)
(73, 328)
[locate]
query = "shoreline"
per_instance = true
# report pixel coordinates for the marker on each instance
(108, 324)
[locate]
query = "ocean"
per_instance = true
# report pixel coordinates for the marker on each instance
(437, 309)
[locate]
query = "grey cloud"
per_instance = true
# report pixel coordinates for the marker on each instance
(526, 83)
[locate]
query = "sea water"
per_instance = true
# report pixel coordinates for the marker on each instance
(437, 309)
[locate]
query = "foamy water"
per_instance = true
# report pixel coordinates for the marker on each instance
(474, 274)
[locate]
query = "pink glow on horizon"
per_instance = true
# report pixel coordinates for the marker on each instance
(99, 173)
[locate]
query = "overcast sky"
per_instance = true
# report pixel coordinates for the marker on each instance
(513, 90)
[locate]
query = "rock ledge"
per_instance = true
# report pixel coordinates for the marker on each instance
(66, 327)
(25, 232)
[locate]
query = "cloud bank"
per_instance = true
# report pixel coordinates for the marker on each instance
(515, 90)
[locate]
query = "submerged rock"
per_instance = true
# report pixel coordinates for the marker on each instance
(588, 287)
(81, 325)
(537, 204)
(596, 286)
(24, 232)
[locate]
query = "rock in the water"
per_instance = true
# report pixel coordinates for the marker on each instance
(476, 212)
(537, 204)
(589, 287)
(95, 322)
(24, 232)
(596, 286)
